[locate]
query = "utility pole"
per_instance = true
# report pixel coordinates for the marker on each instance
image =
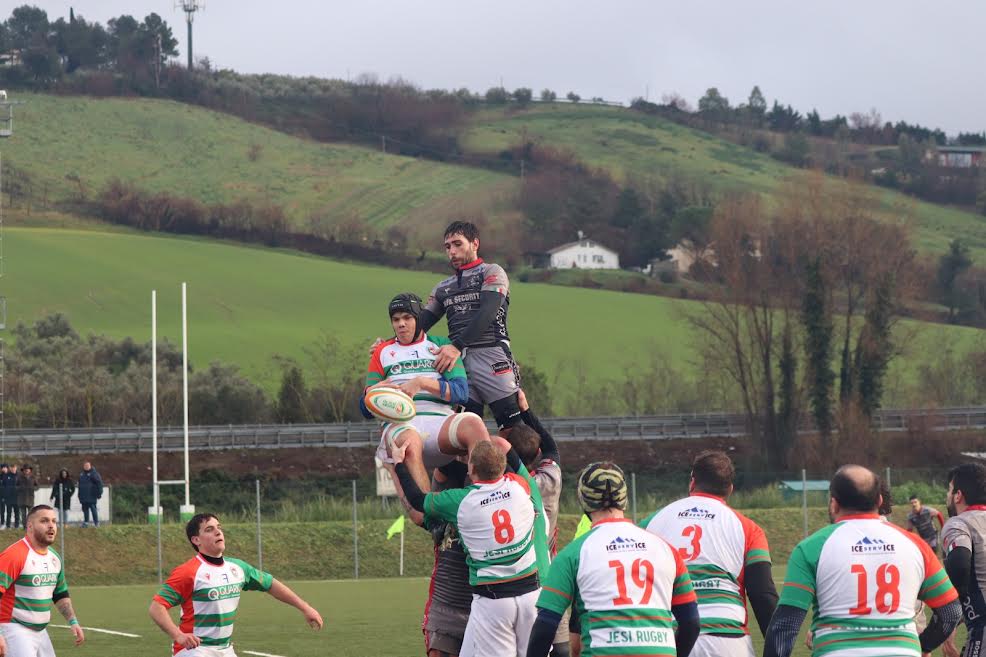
(190, 7)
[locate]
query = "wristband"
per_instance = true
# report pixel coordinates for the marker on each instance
(74, 621)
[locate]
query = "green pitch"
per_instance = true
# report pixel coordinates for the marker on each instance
(369, 618)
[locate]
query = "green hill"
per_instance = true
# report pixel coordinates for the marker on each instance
(247, 304)
(70, 144)
(633, 144)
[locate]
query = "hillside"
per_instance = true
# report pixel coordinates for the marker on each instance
(247, 304)
(72, 146)
(632, 144)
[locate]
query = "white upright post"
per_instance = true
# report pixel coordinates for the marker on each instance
(187, 510)
(154, 511)
(402, 555)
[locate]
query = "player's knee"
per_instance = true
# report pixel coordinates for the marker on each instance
(506, 411)
(412, 439)
(465, 429)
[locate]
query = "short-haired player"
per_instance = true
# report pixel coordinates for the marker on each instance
(964, 544)
(207, 588)
(727, 557)
(32, 578)
(437, 434)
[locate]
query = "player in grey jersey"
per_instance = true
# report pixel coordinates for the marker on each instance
(475, 301)
(964, 543)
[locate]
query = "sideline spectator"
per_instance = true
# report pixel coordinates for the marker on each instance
(4, 474)
(8, 495)
(26, 485)
(90, 490)
(61, 494)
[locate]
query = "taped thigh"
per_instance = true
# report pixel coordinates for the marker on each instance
(453, 427)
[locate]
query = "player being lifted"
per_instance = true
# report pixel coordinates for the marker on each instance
(726, 554)
(475, 301)
(499, 518)
(31, 579)
(437, 434)
(964, 543)
(626, 586)
(863, 576)
(207, 587)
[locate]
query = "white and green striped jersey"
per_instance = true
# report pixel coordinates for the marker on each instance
(717, 543)
(864, 577)
(622, 582)
(209, 595)
(403, 362)
(501, 526)
(29, 580)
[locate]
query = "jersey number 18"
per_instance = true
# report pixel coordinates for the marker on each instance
(887, 589)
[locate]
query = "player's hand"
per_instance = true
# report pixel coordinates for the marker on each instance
(386, 383)
(412, 387)
(446, 357)
(948, 648)
(376, 343)
(522, 402)
(187, 641)
(809, 644)
(397, 452)
(312, 617)
(80, 636)
(3, 647)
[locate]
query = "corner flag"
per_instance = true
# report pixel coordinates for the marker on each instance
(396, 528)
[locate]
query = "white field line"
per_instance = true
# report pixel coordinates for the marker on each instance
(96, 629)
(259, 654)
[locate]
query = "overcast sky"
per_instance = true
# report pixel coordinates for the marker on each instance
(917, 61)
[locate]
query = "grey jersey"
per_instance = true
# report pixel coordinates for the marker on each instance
(968, 530)
(924, 523)
(457, 297)
(547, 476)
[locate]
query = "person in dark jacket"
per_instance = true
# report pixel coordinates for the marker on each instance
(61, 494)
(8, 495)
(26, 485)
(90, 490)
(4, 471)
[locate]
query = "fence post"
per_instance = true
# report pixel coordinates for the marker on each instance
(888, 477)
(633, 494)
(355, 537)
(61, 524)
(804, 498)
(260, 542)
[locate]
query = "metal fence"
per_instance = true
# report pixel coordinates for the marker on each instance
(359, 434)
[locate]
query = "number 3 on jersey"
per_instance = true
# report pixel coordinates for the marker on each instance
(887, 589)
(693, 532)
(503, 530)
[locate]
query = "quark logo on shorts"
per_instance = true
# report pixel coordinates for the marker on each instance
(496, 496)
(696, 512)
(620, 544)
(868, 545)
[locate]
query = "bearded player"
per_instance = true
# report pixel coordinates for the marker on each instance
(437, 434)
(207, 587)
(31, 579)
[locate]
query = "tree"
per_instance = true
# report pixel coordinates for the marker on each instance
(548, 96)
(523, 95)
(714, 105)
(292, 398)
(951, 266)
(81, 44)
(574, 97)
(28, 27)
(757, 105)
(796, 149)
(816, 319)
(497, 96)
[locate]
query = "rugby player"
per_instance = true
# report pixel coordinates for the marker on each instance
(727, 556)
(964, 542)
(31, 579)
(475, 301)
(208, 588)
(436, 435)
(626, 586)
(499, 518)
(921, 520)
(863, 576)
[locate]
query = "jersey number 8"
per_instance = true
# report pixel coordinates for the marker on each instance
(887, 589)
(503, 530)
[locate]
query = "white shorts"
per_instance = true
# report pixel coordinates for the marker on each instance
(428, 427)
(709, 645)
(498, 628)
(25, 642)
(206, 651)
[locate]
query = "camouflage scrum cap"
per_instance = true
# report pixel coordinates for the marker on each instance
(602, 486)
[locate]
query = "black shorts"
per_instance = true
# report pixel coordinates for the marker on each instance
(974, 642)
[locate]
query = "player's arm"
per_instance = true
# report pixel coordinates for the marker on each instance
(957, 543)
(172, 593)
(758, 580)
(684, 608)
(938, 593)
(63, 603)
(796, 598)
(432, 312)
(492, 295)
(283, 593)
(549, 448)
(556, 596)
(159, 614)
(374, 376)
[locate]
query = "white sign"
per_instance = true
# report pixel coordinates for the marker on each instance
(385, 484)
(74, 512)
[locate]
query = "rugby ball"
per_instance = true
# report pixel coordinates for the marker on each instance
(390, 404)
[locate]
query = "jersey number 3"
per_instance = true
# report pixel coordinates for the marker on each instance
(887, 589)
(691, 553)
(503, 530)
(642, 572)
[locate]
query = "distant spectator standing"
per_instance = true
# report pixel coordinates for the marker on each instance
(4, 511)
(8, 495)
(61, 494)
(90, 490)
(921, 520)
(26, 485)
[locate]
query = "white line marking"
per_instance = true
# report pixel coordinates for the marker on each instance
(259, 654)
(96, 629)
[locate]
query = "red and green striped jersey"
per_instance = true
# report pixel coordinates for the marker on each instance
(209, 595)
(622, 582)
(863, 576)
(28, 581)
(403, 362)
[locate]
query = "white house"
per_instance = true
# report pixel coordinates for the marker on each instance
(583, 254)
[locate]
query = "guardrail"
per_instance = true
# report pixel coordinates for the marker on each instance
(361, 434)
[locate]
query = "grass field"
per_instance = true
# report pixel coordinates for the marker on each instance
(247, 304)
(187, 151)
(632, 144)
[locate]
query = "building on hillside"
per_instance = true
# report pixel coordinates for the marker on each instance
(583, 254)
(961, 157)
(685, 255)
